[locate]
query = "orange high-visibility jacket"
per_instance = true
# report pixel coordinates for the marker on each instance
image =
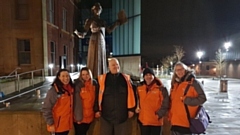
(62, 111)
(151, 102)
(194, 97)
(87, 94)
(130, 98)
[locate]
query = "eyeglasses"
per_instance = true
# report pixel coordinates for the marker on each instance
(179, 70)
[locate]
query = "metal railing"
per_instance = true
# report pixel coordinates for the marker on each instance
(20, 94)
(19, 76)
(26, 76)
(14, 71)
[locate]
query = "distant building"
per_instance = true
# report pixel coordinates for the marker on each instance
(231, 69)
(36, 33)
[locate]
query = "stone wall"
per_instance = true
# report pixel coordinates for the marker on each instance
(32, 123)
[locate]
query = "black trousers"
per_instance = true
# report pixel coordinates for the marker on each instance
(177, 133)
(62, 133)
(107, 128)
(150, 130)
(81, 129)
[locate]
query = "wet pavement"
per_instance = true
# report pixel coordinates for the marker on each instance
(223, 107)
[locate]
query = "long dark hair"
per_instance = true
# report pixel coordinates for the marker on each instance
(58, 82)
(89, 72)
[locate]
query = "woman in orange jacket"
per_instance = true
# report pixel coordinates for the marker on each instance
(194, 97)
(153, 103)
(57, 107)
(85, 94)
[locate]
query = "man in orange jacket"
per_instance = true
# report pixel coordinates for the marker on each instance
(116, 101)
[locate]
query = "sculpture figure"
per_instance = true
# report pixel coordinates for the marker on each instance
(96, 59)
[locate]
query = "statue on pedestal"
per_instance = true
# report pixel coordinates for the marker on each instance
(96, 59)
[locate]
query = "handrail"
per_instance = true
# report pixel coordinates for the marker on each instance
(15, 70)
(30, 71)
(20, 94)
(18, 78)
(5, 77)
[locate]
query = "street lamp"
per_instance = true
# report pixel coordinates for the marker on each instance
(171, 63)
(227, 45)
(199, 55)
(71, 68)
(78, 66)
(51, 69)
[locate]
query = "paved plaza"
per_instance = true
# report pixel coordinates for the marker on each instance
(223, 107)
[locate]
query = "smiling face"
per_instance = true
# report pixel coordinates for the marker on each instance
(114, 66)
(64, 77)
(148, 78)
(180, 71)
(85, 75)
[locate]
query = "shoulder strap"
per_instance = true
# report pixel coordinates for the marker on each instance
(186, 108)
(162, 88)
(186, 90)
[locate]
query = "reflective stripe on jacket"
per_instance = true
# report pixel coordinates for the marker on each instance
(130, 98)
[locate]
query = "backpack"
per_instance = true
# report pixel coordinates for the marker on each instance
(199, 124)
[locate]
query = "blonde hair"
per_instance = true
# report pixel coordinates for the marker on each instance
(89, 72)
(175, 77)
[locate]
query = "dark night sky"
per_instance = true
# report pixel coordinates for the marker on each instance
(194, 24)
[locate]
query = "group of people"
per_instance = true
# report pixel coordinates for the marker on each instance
(113, 99)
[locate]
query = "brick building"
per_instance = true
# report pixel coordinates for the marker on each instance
(36, 33)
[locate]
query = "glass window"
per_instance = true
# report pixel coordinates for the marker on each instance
(64, 19)
(22, 10)
(65, 50)
(24, 51)
(51, 11)
(207, 67)
(52, 52)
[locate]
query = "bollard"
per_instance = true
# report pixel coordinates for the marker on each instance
(38, 92)
(223, 85)
(7, 104)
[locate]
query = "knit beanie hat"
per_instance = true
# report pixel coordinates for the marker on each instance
(148, 71)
